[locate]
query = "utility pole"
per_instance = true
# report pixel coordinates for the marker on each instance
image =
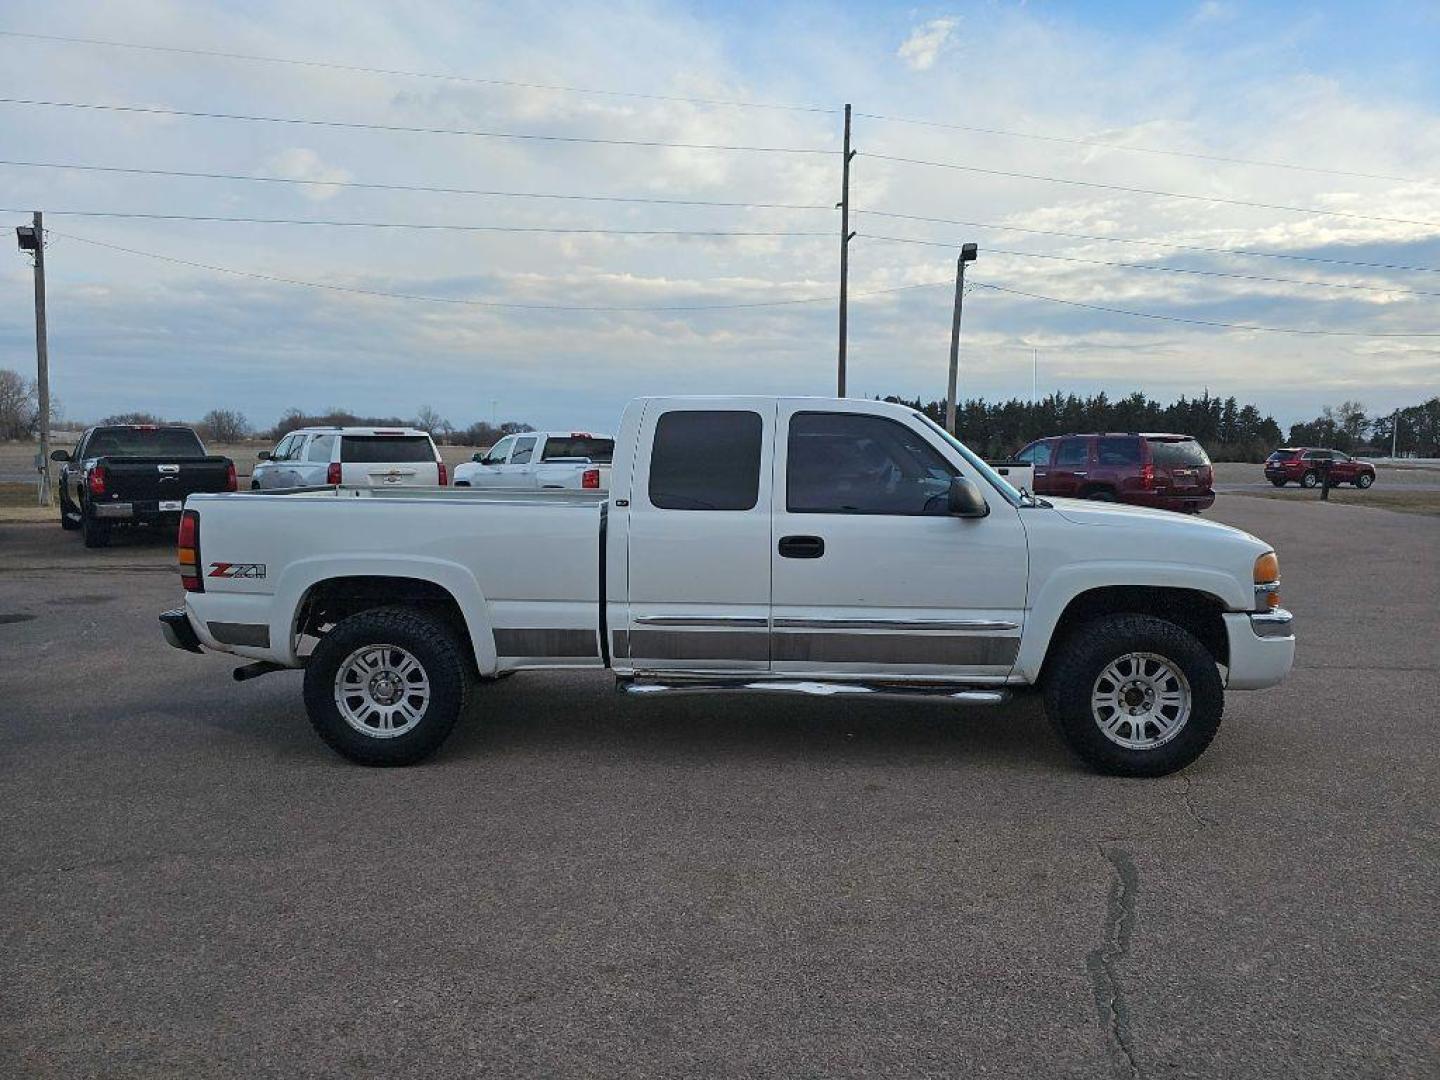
(1394, 434)
(1034, 375)
(33, 239)
(845, 237)
(968, 253)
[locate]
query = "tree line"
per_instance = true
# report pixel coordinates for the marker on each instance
(1228, 430)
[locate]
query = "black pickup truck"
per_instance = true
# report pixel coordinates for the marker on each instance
(136, 474)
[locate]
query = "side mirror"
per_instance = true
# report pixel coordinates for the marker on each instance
(478, 456)
(263, 455)
(59, 455)
(966, 500)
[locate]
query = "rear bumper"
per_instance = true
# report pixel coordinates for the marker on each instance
(1262, 648)
(147, 511)
(1168, 500)
(175, 624)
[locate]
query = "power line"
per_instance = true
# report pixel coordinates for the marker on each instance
(1164, 269)
(1206, 322)
(1102, 144)
(461, 301)
(335, 66)
(355, 125)
(428, 189)
(1248, 253)
(1147, 191)
(443, 227)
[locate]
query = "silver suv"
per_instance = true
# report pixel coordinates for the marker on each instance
(356, 456)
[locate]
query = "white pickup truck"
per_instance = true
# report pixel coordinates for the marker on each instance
(793, 545)
(541, 461)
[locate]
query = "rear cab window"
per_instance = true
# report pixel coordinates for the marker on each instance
(591, 448)
(384, 449)
(144, 442)
(706, 460)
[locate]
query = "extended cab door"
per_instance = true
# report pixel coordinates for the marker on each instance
(871, 576)
(696, 509)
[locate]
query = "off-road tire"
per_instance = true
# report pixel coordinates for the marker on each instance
(1310, 479)
(96, 534)
(430, 642)
(1085, 652)
(67, 508)
(1364, 480)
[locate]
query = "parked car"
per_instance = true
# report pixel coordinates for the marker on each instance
(827, 547)
(542, 460)
(1167, 472)
(362, 456)
(1304, 465)
(134, 474)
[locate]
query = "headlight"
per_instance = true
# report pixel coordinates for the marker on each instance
(1267, 582)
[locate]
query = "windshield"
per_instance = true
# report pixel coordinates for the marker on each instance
(1009, 490)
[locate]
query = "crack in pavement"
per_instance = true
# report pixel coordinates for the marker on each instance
(1110, 1000)
(1187, 796)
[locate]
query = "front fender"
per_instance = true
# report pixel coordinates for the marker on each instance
(1064, 585)
(302, 575)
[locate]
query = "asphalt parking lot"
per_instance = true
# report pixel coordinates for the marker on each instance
(583, 885)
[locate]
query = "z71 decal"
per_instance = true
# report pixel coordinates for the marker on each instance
(237, 569)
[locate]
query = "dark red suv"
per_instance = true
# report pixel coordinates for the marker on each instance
(1304, 464)
(1169, 472)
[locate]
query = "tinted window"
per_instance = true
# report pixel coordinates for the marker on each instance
(320, 448)
(706, 460)
(1118, 451)
(846, 463)
(144, 442)
(376, 449)
(1185, 453)
(595, 450)
(1038, 454)
(524, 448)
(1073, 452)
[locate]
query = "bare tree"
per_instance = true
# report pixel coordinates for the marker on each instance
(226, 425)
(430, 420)
(18, 405)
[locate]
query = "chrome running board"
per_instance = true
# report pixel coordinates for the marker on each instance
(955, 695)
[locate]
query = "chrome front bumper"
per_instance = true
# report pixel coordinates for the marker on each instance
(1262, 648)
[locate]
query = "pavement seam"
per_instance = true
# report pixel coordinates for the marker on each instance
(1110, 1001)
(1187, 795)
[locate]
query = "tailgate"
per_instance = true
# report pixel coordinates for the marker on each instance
(406, 474)
(141, 479)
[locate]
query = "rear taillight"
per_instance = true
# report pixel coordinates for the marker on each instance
(232, 482)
(332, 474)
(1147, 476)
(187, 552)
(590, 478)
(96, 480)
(444, 477)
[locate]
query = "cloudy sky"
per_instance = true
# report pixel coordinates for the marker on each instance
(1346, 95)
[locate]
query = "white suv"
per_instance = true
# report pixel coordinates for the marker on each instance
(357, 456)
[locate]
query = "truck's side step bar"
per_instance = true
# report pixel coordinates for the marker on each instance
(957, 695)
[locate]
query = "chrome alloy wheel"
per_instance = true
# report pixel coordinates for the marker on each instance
(382, 691)
(1140, 701)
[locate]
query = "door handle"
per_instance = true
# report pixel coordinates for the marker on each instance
(1081, 472)
(801, 547)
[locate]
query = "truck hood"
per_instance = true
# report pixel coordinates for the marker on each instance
(1157, 522)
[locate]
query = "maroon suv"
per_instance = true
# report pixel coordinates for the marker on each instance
(1304, 466)
(1169, 472)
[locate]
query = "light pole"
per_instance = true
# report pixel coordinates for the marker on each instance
(32, 238)
(968, 253)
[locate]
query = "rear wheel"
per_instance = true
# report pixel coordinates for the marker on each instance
(385, 687)
(1278, 481)
(1310, 479)
(1100, 495)
(1133, 695)
(1364, 480)
(96, 534)
(69, 516)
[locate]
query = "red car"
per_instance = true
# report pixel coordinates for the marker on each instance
(1303, 465)
(1169, 472)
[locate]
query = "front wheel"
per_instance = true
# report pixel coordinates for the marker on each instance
(1364, 480)
(1133, 695)
(69, 516)
(385, 687)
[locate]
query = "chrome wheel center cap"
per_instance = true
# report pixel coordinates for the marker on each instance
(385, 689)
